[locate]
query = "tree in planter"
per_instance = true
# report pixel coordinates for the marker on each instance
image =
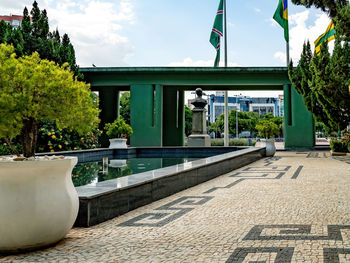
(118, 129)
(32, 90)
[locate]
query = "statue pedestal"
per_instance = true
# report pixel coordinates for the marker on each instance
(199, 140)
(199, 136)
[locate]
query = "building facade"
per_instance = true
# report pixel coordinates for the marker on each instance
(14, 20)
(261, 106)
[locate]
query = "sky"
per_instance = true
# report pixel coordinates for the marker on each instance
(128, 33)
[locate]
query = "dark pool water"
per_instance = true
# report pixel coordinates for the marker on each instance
(94, 172)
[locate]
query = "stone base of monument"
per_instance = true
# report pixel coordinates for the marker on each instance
(199, 140)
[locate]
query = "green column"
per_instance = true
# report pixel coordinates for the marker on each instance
(109, 106)
(298, 121)
(173, 117)
(146, 114)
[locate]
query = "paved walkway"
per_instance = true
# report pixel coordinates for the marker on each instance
(294, 207)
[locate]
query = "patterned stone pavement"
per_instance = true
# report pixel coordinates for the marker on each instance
(290, 208)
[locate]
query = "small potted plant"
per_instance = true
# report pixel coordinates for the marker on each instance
(267, 130)
(118, 131)
(38, 201)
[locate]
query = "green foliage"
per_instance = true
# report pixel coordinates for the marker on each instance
(32, 90)
(322, 130)
(6, 149)
(267, 129)
(34, 36)
(323, 82)
(232, 142)
(53, 139)
(339, 146)
(118, 129)
(125, 106)
(247, 121)
(276, 120)
(85, 173)
(188, 121)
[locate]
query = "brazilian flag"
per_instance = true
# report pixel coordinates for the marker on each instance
(217, 32)
(326, 36)
(281, 17)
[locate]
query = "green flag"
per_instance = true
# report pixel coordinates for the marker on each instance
(326, 36)
(281, 17)
(217, 32)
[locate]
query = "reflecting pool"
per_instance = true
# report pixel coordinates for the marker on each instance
(94, 172)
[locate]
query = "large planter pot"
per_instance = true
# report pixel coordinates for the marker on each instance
(117, 143)
(270, 146)
(38, 203)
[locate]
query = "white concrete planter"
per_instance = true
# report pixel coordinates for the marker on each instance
(38, 203)
(270, 146)
(117, 143)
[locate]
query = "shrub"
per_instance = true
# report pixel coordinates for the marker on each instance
(53, 139)
(267, 129)
(118, 129)
(338, 146)
(232, 142)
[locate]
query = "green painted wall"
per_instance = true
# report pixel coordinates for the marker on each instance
(174, 117)
(299, 123)
(146, 115)
(109, 106)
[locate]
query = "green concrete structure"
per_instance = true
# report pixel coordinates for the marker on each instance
(157, 113)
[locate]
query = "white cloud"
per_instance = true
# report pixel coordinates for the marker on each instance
(230, 24)
(299, 32)
(281, 56)
(95, 30)
(189, 62)
(94, 27)
(257, 10)
(272, 22)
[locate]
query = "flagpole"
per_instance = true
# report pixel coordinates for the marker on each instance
(226, 139)
(287, 47)
(287, 43)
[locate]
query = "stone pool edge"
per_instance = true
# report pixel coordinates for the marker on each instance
(115, 197)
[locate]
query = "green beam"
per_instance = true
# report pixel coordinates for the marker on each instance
(186, 76)
(146, 115)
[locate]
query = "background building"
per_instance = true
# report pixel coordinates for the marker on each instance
(261, 106)
(14, 20)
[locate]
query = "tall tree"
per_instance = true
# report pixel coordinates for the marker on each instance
(323, 81)
(34, 36)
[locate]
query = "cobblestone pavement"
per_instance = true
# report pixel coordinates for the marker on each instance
(290, 208)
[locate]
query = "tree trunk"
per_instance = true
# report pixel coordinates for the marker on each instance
(29, 136)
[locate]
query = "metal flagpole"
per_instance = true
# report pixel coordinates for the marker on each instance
(226, 139)
(287, 46)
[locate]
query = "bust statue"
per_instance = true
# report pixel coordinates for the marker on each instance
(199, 102)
